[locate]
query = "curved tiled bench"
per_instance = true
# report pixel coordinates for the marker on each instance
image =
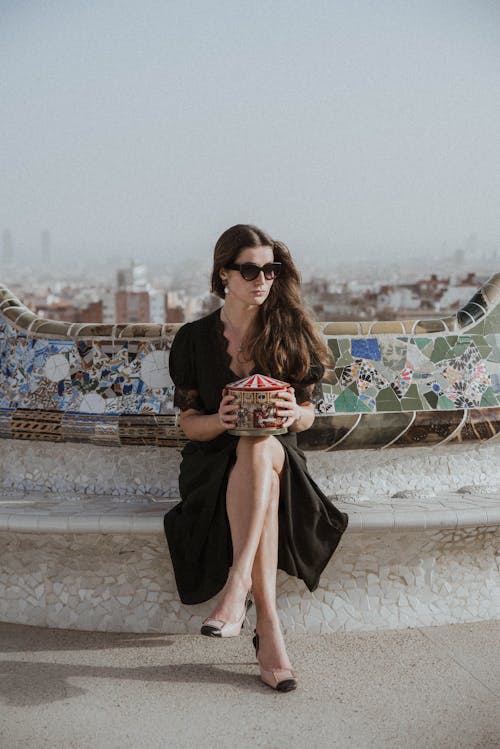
(82, 557)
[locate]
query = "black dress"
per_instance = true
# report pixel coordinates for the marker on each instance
(197, 529)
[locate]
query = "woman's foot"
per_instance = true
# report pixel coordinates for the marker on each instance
(274, 665)
(272, 651)
(229, 614)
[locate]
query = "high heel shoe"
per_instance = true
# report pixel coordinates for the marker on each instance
(220, 628)
(280, 679)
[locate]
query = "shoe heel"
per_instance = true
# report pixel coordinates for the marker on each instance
(255, 641)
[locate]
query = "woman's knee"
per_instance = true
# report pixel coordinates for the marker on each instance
(266, 449)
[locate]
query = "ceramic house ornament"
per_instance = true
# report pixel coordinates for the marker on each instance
(255, 396)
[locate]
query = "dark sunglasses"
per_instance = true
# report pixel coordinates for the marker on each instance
(250, 271)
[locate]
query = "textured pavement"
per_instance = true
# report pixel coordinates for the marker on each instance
(431, 687)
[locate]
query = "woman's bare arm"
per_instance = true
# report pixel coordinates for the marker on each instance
(203, 427)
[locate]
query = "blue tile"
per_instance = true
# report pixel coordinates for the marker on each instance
(365, 348)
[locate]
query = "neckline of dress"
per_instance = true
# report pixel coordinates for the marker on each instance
(224, 347)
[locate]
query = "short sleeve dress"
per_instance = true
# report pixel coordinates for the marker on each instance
(197, 529)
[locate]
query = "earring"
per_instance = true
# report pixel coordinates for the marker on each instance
(226, 290)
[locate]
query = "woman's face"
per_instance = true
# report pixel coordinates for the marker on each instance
(250, 292)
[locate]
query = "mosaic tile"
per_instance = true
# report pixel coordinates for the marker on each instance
(445, 403)
(349, 402)
(334, 348)
(411, 401)
(488, 398)
(422, 343)
(441, 350)
(365, 348)
(432, 398)
(387, 400)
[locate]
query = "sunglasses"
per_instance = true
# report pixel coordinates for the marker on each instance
(250, 271)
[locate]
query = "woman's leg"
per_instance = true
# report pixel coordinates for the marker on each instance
(259, 462)
(272, 652)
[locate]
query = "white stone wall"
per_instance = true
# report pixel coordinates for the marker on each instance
(124, 583)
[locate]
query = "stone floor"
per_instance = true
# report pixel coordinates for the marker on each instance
(426, 688)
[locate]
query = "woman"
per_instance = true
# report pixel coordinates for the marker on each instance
(248, 504)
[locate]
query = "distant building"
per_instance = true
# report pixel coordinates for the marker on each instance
(108, 306)
(136, 300)
(157, 306)
(424, 297)
(175, 314)
(68, 312)
(132, 306)
(92, 313)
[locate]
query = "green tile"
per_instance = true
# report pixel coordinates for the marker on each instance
(421, 342)
(412, 400)
(485, 325)
(440, 351)
(412, 392)
(445, 403)
(431, 398)
(347, 402)
(489, 398)
(334, 348)
(387, 400)
(482, 345)
(494, 342)
(426, 406)
(344, 359)
(491, 324)
(494, 355)
(461, 345)
(353, 387)
(484, 350)
(412, 404)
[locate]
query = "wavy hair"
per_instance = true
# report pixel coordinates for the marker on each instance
(283, 340)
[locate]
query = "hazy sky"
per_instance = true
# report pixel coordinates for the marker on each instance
(148, 127)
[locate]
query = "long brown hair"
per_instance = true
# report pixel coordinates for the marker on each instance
(283, 339)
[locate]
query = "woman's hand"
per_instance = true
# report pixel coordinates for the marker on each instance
(287, 407)
(227, 412)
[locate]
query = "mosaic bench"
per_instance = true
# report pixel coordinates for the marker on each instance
(86, 412)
